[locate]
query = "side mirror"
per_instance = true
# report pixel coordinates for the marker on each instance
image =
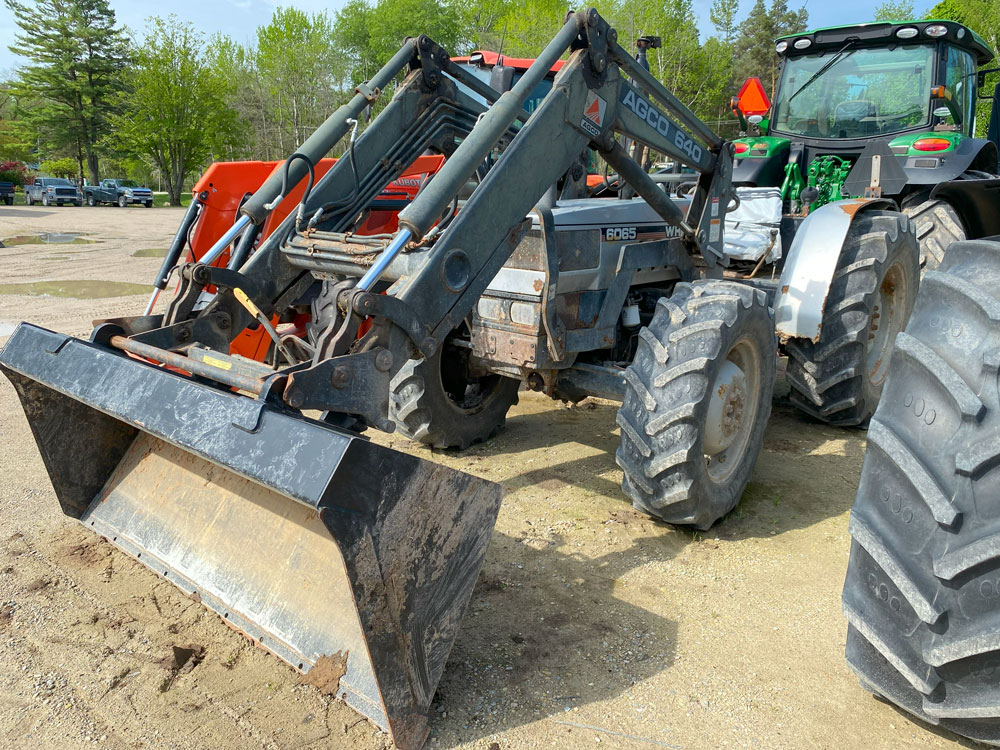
(755, 119)
(501, 78)
(942, 112)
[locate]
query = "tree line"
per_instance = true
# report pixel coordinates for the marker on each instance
(94, 99)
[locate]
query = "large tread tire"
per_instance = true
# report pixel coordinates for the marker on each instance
(452, 414)
(938, 227)
(669, 389)
(922, 593)
(838, 380)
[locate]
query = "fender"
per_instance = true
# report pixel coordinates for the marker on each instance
(977, 203)
(810, 264)
(970, 153)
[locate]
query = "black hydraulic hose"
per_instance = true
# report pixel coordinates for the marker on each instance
(300, 214)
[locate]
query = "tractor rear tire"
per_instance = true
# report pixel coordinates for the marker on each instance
(838, 379)
(922, 593)
(436, 401)
(697, 400)
(938, 226)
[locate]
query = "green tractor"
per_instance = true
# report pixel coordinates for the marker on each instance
(905, 92)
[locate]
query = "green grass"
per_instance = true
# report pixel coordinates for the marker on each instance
(162, 199)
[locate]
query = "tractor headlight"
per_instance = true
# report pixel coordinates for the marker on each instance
(907, 32)
(935, 31)
(802, 43)
(780, 47)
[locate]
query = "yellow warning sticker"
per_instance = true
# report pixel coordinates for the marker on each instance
(220, 363)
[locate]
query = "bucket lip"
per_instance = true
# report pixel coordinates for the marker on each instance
(233, 618)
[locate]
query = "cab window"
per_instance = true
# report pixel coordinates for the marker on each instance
(960, 78)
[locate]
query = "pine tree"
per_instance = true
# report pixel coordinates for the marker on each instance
(723, 17)
(77, 55)
(754, 47)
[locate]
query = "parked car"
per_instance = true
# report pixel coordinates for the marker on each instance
(121, 192)
(49, 190)
(7, 193)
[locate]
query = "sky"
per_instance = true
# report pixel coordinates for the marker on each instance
(240, 18)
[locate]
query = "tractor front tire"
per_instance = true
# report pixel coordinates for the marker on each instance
(922, 593)
(697, 401)
(438, 402)
(838, 379)
(938, 226)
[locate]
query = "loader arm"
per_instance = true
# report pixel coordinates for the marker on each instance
(435, 282)
(432, 277)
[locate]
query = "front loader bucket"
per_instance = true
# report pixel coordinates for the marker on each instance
(328, 550)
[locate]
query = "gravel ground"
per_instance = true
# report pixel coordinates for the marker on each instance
(591, 625)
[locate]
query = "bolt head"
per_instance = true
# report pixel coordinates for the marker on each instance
(294, 398)
(383, 360)
(340, 377)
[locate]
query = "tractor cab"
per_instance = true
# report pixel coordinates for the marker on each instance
(913, 86)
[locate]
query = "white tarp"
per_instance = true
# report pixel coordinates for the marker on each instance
(753, 229)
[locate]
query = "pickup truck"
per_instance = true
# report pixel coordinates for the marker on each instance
(121, 192)
(49, 190)
(7, 193)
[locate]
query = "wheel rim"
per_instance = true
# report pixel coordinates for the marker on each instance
(886, 321)
(732, 412)
(466, 393)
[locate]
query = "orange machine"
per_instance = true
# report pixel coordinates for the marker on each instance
(227, 183)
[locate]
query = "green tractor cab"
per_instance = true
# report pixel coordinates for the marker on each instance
(912, 86)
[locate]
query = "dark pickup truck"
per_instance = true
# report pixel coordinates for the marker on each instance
(49, 190)
(120, 192)
(7, 193)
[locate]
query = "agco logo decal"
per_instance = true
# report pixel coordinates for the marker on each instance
(659, 122)
(593, 114)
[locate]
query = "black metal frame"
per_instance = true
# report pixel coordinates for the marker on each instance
(439, 275)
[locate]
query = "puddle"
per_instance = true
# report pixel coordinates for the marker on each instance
(151, 252)
(86, 289)
(6, 329)
(47, 238)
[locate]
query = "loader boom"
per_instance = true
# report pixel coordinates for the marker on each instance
(433, 277)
